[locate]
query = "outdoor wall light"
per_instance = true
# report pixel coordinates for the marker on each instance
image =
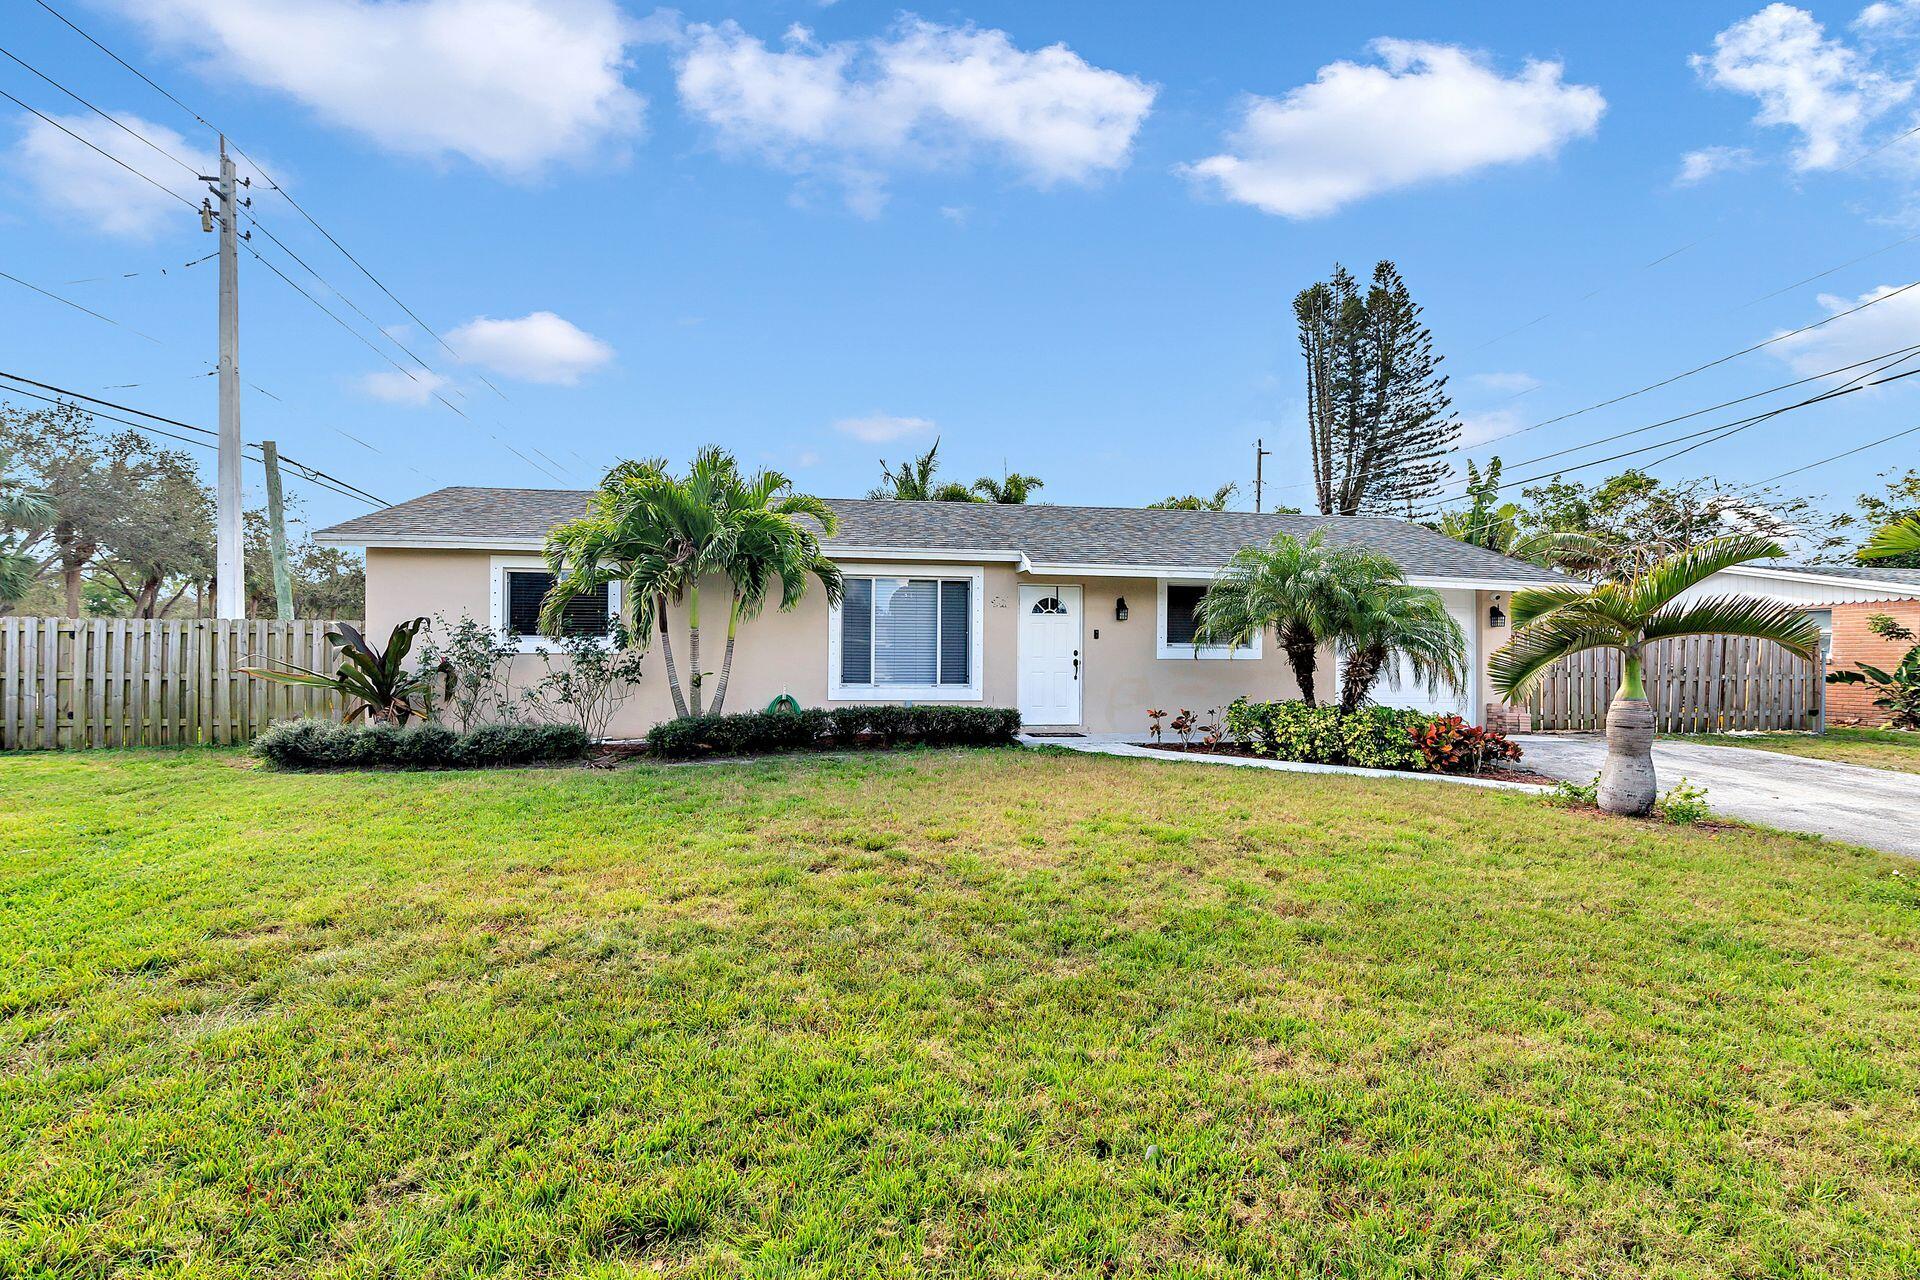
(1495, 617)
(1120, 609)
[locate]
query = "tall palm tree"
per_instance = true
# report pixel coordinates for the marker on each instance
(1394, 622)
(1552, 623)
(659, 534)
(1302, 590)
(913, 481)
(1901, 538)
(769, 545)
(1011, 489)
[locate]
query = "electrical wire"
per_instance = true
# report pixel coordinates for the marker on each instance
(115, 121)
(77, 307)
(144, 177)
(1847, 454)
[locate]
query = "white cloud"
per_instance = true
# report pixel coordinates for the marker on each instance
(1822, 88)
(1882, 19)
(1886, 326)
(1511, 383)
(512, 85)
(879, 428)
(395, 387)
(67, 176)
(922, 95)
(1428, 112)
(540, 347)
(1707, 162)
(1479, 428)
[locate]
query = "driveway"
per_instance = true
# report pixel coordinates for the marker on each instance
(1874, 807)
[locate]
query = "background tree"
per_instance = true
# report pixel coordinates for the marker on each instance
(914, 481)
(1379, 421)
(1219, 500)
(1012, 488)
(163, 543)
(1899, 503)
(328, 582)
(1627, 615)
(1498, 526)
(21, 511)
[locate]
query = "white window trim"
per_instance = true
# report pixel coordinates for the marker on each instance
(497, 606)
(975, 688)
(1205, 652)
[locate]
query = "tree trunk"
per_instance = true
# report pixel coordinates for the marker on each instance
(70, 574)
(1361, 671)
(1627, 783)
(1303, 654)
(693, 647)
(726, 661)
(666, 650)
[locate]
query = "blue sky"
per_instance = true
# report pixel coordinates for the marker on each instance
(1060, 238)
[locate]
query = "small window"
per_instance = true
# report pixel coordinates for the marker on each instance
(1049, 605)
(527, 589)
(1182, 603)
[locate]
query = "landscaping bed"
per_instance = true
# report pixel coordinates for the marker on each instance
(1240, 751)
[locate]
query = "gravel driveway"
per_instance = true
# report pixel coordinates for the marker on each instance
(1874, 807)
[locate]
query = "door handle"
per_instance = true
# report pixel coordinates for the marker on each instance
(1076, 664)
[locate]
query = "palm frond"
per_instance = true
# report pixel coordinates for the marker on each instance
(1901, 538)
(1659, 584)
(1518, 665)
(1535, 602)
(1786, 625)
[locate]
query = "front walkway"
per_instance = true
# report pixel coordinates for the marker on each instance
(1875, 807)
(1122, 744)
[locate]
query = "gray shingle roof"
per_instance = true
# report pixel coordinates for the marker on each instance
(1860, 573)
(1046, 534)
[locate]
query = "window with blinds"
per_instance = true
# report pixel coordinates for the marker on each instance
(1181, 603)
(906, 632)
(527, 588)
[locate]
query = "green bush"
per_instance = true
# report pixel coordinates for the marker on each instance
(759, 732)
(323, 744)
(1372, 737)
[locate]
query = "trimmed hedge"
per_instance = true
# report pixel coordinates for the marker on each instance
(759, 732)
(1372, 737)
(325, 744)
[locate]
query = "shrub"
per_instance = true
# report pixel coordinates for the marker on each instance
(1452, 745)
(759, 732)
(322, 744)
(1371, 737)
(1684, 806)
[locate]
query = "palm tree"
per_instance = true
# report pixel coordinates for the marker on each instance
(1219, 500)
(1552, 623)
(1901, 538)
(1304, 591)
(1395, 622)
(1011, 489)
(769, 545)
(20, 509)
(913, 481)
(660, 534)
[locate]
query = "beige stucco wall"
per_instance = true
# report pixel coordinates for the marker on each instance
(787, 652)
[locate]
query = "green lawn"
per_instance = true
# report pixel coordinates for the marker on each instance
(1878, 748)
(992, 1014)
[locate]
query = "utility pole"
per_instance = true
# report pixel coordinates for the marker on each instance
(230, 536)
(277, 532)
(1260, 454)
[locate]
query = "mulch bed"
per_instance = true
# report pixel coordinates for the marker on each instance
(1496, 773)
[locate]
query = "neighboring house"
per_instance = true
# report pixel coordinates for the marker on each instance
(1082, 617)
(1840, 597)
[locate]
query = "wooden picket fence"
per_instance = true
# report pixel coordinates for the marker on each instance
(1696, 684)
(122, 682)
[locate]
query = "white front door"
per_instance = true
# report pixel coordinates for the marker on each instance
(1050, 665)
(1396, 686)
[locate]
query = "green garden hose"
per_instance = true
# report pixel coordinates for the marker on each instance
(785, 702)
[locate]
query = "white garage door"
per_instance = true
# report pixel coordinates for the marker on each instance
(1398, 688)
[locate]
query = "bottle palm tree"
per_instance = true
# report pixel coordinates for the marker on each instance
(1393, 622)
(1302, 590)
(659, 534)
(1552, 623)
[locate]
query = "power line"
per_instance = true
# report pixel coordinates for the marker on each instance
(185, 426)
(115, 121)
(144, 177)
(77, 307)
(1847, 454)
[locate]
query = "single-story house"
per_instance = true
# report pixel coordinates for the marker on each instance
(1840, 597)
(1082, 617)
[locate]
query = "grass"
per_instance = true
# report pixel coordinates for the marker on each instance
(1878, 748)
(989, 1014)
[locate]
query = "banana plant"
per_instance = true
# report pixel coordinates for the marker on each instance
(374, 681)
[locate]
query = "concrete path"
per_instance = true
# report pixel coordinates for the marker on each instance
(1878, 808)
